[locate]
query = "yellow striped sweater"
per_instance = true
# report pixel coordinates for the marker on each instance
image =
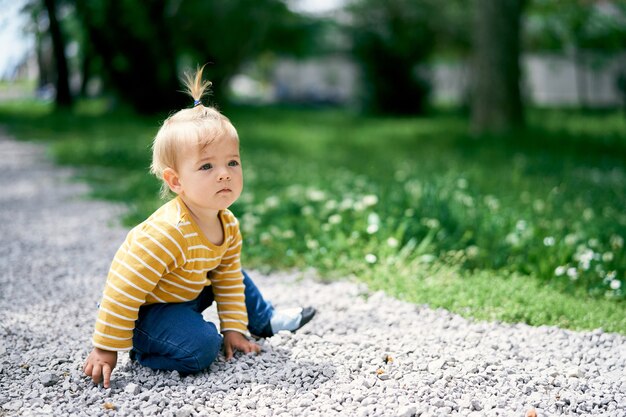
(166, 259)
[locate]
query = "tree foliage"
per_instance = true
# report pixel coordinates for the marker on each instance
(556, 25)
(142, 47)
(392, 41)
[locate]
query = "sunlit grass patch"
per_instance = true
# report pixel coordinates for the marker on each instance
(529, 227)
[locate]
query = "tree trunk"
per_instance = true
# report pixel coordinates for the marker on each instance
(85, 71)
(63, 96)
(496, 103)
(580, 69)
(43, 63)
(139, 64)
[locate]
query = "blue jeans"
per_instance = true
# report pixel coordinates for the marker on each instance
(174, 336)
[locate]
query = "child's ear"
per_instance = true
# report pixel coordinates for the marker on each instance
(171, 179)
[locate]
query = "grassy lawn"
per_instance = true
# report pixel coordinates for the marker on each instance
(524, 228)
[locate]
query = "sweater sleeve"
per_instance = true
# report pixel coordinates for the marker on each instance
(228, 287)
(150, 250)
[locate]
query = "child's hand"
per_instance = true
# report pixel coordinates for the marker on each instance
(100, 363)
(237, 341)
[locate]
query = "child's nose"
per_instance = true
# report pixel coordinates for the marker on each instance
(224, 175)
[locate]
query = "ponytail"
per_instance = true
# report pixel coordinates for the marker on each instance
(195, 87)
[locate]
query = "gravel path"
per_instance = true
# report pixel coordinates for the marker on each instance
(365, 354)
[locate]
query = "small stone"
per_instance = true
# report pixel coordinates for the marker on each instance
(13, 405)
(132, 389)
(476, 405)
(383, 377)
(369, 382)
(531, 413)
(186, 411)
(48, 379)
(151, 410)
(156, 398)
(409, 411)
(436, 365)
(368, 401)
(109, 406)
(574, 372)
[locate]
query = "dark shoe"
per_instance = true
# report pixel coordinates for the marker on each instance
(307, 314)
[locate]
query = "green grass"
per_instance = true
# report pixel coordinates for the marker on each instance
(526, 227)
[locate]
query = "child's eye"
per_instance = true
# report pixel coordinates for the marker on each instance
(206, 167)
(233, 163)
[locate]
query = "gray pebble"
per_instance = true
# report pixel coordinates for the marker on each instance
(48, 379)
(476, 405)
(132, 388)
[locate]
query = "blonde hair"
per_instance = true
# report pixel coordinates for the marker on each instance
(199, 125)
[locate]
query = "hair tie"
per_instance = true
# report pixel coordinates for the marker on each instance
(196, 102)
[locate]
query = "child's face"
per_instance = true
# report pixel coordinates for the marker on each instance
(210, 178)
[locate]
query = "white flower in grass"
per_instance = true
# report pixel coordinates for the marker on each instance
(289, 234)
(315, 195)
(346, 204)
(512, 239)
(615, 284)
(265, 237)
(307, 210)
(330, 205)
(370, 200)
(472, 251)
(559, 270)
(393, 242)
(572, 273)
(571, 239)
(431, 223)
(373, 223)
(272, 201)
(548, 241)
(372, 228)
(427, 258)
(312, 244)
(607, 256)
(370, 258)
(492, 202)
(585, 258)
(617, 242)
(334, 219)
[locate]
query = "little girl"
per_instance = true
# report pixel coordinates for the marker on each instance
(183, 257)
